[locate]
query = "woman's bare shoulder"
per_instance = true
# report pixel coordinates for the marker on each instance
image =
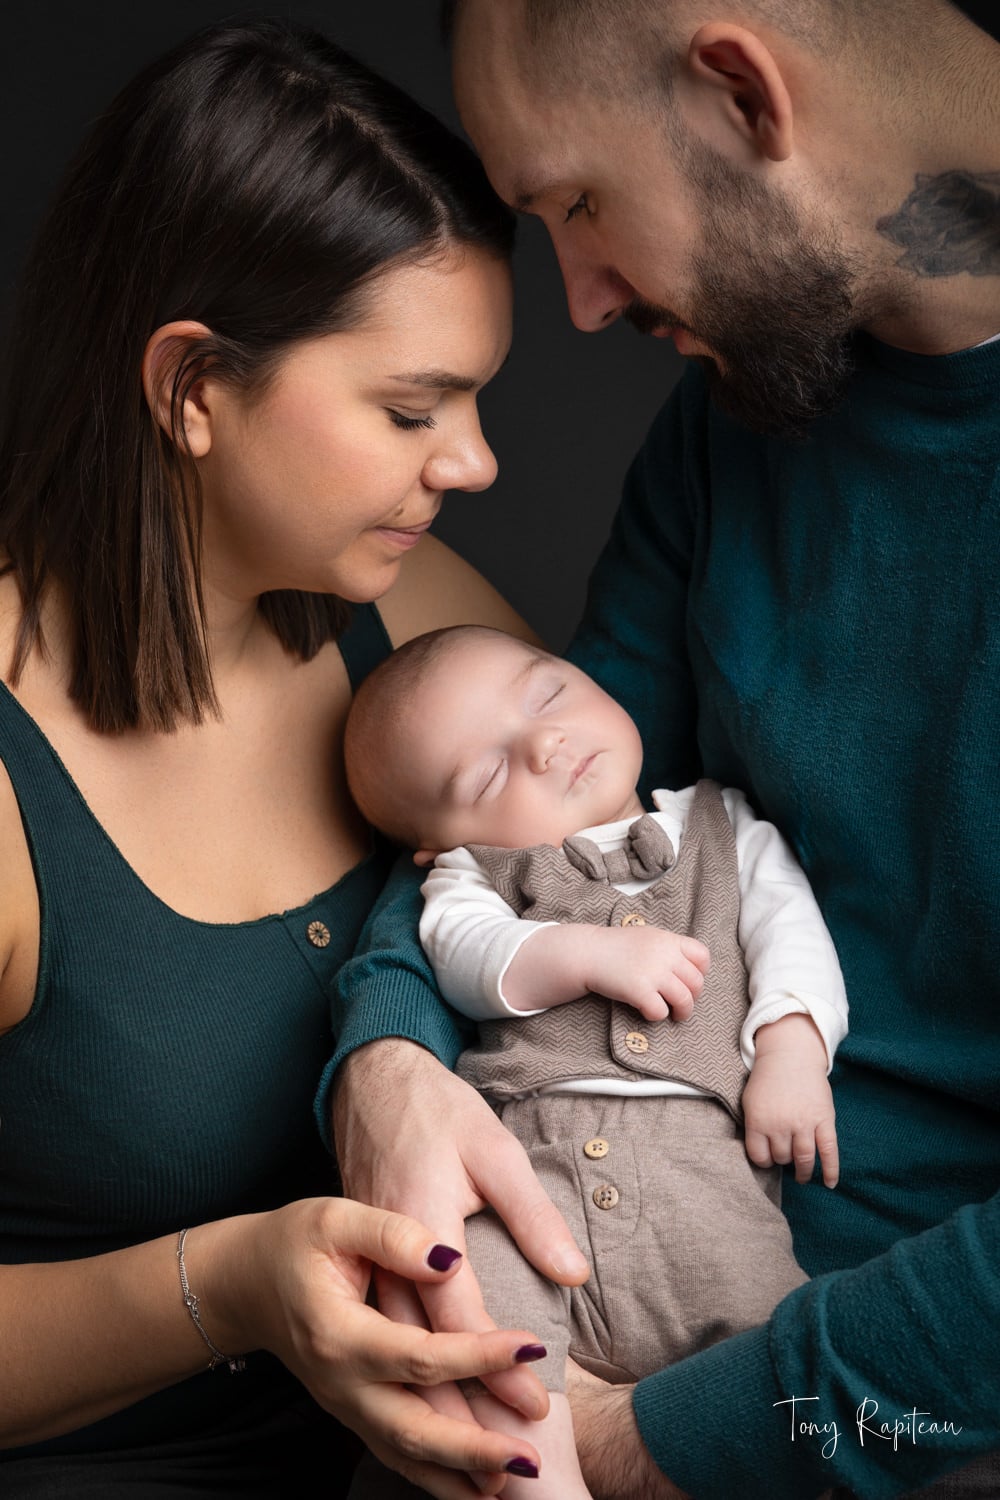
(436, 587)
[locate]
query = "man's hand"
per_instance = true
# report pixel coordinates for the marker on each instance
(412, 1137)
(616, 1462)
(788, 1103)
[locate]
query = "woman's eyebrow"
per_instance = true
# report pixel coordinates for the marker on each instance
(438, 380)
(443, 380)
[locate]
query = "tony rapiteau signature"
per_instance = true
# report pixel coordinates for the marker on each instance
(906, 1427)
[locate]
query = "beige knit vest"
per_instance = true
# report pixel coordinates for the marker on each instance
(599, 1038)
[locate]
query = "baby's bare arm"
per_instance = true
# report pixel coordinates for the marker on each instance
(658, 973)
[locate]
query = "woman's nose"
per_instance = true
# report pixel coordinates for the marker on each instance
(466, 463)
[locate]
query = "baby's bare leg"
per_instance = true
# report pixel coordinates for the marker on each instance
(560, 1477)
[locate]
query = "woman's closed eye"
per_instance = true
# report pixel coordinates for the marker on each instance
(408, 424)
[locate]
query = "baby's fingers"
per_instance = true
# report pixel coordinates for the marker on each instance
(652, 1006)
(758, 1147)
(804, 1154)
(829, 1154)
(697, 953)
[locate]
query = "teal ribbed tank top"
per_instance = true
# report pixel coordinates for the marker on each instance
(166, 1071)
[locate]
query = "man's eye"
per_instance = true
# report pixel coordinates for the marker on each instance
(578, 207)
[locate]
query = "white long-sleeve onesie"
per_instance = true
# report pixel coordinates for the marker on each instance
(471, 935)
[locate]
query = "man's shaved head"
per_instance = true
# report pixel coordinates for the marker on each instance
(635, 39)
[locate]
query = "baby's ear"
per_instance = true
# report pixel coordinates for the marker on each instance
(425, 857)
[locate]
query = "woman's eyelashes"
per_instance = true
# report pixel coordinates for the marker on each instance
(408, 424)
(576, 208)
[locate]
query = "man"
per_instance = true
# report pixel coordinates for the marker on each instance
(800, 597)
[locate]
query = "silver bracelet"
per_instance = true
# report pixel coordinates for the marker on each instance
(237, 1362)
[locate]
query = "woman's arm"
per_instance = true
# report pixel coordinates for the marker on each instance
(81, 1339)
(436, 588)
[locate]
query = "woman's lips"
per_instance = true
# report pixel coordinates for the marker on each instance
(403, 536)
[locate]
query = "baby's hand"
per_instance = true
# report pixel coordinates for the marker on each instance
(788, 1103)
(658, 973)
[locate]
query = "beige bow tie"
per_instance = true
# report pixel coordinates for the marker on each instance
(646, 854)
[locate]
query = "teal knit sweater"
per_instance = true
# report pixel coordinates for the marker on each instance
(819, 623)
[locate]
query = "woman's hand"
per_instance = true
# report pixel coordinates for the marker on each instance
(616, 1462)
(295, 1282)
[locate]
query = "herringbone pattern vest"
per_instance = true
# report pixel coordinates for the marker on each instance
(599, 1038)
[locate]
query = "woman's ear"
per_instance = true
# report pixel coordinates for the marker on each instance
(164, 353)
(749, 85)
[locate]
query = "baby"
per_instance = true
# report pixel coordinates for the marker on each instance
(658, 1001)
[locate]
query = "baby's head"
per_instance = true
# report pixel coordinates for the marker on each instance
(471, 736)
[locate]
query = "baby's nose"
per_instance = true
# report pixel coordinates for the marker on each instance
(542, 746)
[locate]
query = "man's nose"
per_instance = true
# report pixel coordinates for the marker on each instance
(595, 293)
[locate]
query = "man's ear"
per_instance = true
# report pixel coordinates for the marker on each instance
(749, 85)
(163, 355)
(425, 857)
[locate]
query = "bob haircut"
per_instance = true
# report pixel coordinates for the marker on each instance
(256, 179)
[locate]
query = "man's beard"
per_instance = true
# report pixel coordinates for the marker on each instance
(777, 311)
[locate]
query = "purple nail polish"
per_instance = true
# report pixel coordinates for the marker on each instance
(523, 1468)
(442, 1257)
(529, 1352)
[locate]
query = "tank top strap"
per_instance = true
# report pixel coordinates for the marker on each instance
(364, 643)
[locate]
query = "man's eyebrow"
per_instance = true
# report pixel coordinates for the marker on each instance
(526, 195)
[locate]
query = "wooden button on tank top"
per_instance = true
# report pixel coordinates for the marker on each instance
(318, 934)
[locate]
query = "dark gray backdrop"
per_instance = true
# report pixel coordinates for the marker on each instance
(564, 416)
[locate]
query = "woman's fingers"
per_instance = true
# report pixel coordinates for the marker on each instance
(394, 1241)
(414, 1356)
(407, 1434)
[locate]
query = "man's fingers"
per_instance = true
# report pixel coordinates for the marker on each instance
(534, 1221)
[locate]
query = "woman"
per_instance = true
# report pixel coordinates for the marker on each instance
(243, 374)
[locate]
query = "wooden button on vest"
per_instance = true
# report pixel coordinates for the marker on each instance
(318, 934)
(606, 1196)
(636, 1042)
(596, 1148)
(633, 919)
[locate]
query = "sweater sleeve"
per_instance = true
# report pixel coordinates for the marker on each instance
(387, 988)
(868, 1355)
(633, 635)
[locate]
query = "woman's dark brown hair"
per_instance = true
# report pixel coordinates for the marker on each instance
(255, 179)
